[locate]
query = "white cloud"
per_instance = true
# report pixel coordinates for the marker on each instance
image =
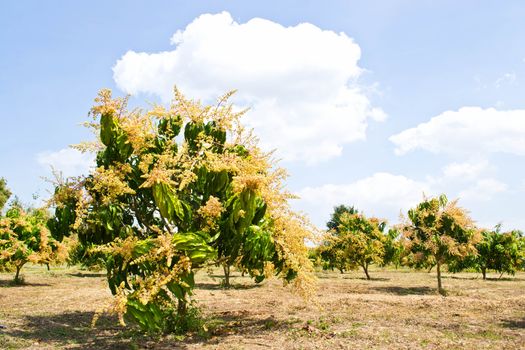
(68, 161)
(471, 181)
(387, 195)
(466, 170)
(483, 190)
(468, 131)
(383, 195)
(300, 81)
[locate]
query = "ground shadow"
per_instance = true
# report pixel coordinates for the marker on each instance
(80, 274)
(74, 329)
(217, 286)
(12, 284)
(520, 324)
(327, 276)
(365, 279)
(406, 290)
(71, 328)
(493, 279)
(242, 322)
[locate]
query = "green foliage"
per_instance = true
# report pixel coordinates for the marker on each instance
(335, 218)
(4, 193)
(25, 238)
(394, 249)
(161, 205)
(356, 242)
(498, 251)
(438, 232)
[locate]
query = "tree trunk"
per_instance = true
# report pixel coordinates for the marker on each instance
(440, 287)
(226, 269)
(484, 273)
(365, 268)
(17, 274)
(182, 307)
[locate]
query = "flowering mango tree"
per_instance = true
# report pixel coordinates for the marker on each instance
(438, 232)
(174, 190)
(24, 237)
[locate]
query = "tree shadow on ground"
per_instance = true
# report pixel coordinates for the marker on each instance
(73, 329)
(70, 328)
(80, 274)
(407, 290)
(322, 275)
(240, 323)
(218, 286)
(479, 277)
(516, 324)
(365, 279)
(12, 284)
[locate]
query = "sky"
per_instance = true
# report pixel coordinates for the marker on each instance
(368, 103)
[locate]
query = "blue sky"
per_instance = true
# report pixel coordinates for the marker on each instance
(370, 103)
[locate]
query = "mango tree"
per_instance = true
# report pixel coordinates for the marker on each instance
(498, 251)
(394, 248)
(331, 252)
(5, 193)
(25, 238)
(356, 242)
(174, 190)
(438, 232)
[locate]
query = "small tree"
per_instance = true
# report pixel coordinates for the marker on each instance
(438, 232)
(4, 194)
(25, 238)
(498, 251)
(394, 248)
(356, 242)
(160, 205)
(336, 217)
(332, 256)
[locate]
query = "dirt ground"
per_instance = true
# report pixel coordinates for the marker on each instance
(398, 309)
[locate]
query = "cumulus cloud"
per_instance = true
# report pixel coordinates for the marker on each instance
(466, 170)
(483, 190)
(300, 81)
(471, 181)
(68, 161)
(468, 131)
(383, 195)
(386, 195)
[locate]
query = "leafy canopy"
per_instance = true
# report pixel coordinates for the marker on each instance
(174, 190)
(438, 232)
(4, 193)
(498, 251)
(357, 241)
(25, 238)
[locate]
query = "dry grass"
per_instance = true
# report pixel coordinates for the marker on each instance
(399, 309)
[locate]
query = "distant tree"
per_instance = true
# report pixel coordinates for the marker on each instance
(5, 193)
(394, 248)
(332, 256)
(335, 218)
(438, 232)
(25, 238)
(356, 242)
(498, 251)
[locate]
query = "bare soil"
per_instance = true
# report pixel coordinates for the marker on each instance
(397, 309)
